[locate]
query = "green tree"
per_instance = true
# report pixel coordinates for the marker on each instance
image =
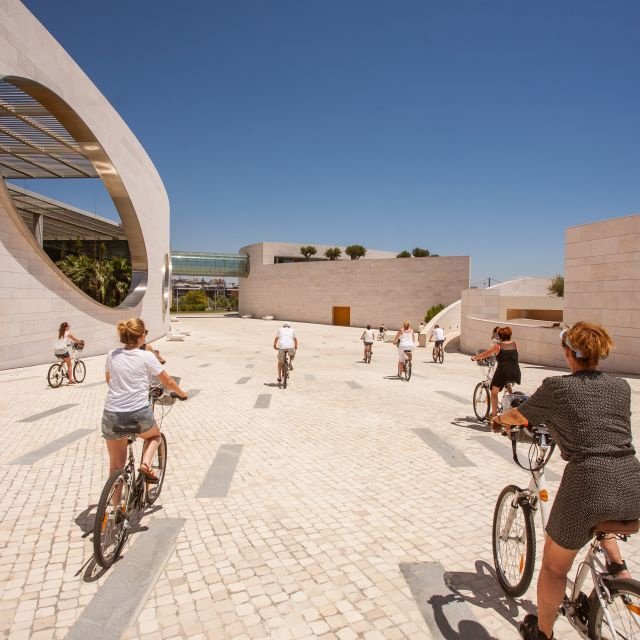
(418, 252)
(355, 251)
(121, 279)
(308, 251)
(404, 254)
(556, 288)
(333, 254)
(432, 312)
(80, 269)
(196, 300)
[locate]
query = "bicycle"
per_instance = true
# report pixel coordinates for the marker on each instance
(368, 350)
(612, 610)
(406, 366)
(58, 371)
(286, 368)
(381, 335)
(482, 392)
(438, 353)
(126, 493)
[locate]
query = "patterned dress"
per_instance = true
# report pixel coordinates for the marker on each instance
(588, 414)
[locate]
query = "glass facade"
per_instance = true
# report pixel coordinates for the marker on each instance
(190, 263)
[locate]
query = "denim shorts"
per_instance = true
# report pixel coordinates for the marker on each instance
(114, 421)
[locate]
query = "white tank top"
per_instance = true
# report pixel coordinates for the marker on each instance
(406, 338)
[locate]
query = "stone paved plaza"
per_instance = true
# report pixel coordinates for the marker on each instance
(360, 505)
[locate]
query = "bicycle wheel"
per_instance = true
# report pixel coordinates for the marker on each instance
(407, 369)
(109, 530)
(79, 371)
(55, 375)
(285, 373)
(623, 611)
(481, 401)
(159, 467)
(514, 542)
(441, 355)
(434, 354)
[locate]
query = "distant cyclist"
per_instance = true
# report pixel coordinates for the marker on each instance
(405, 339)
(61, 347)
(437, 336)
(368, 336)
(285, 341)
(381, 332)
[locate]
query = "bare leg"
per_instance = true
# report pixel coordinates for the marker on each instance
(117, 450)
(151, 443)
(69, 370)
(494, 401)
(552, 581)
(612, 550)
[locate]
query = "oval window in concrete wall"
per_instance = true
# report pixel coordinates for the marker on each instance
(44, 139)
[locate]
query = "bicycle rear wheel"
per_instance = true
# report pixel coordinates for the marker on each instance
(79, 371)
(434, 354)
(623, 611)
(285, 372)
(109, 529)
(514, 542)
(407, 369)
(159, 467)
(481, 401)
(55, 375)
(440, 355)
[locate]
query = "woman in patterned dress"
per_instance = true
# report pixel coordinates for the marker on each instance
(588, 414)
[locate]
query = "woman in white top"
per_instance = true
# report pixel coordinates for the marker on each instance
(368, 336)
(61, 347)
(405, 339)
(129, 370)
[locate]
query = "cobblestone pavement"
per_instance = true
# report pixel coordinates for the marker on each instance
(335, 499)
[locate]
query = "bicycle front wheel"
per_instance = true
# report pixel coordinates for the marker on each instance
(159, 467)
(623, 612)
(55, 376)
(110, 530)
(514, 542)
(79, 371)
(481, 401)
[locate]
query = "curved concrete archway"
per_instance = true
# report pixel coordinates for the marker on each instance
(38, 297)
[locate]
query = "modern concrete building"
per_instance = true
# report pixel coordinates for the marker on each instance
(56, 124)
(377, 289)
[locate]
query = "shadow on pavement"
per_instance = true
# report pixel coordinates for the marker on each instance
(471, 422)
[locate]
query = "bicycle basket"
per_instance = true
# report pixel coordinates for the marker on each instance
(78, 346)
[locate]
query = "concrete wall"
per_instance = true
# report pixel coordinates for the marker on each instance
(377, 290)
(602, 284)
(34, 296)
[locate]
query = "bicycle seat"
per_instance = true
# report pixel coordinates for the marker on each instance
(621, 527)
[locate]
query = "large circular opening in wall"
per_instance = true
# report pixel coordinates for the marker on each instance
(60, 184)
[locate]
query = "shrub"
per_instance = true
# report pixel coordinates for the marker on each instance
(418, 252)
(308, 251)
(333, 254)
(432, 312)
(556, 288)
(355, 251)
(404, 254)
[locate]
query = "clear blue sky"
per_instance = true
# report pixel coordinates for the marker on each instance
(467, 127)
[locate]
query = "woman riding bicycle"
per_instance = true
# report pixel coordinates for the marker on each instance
(588, 414)
(61, 347)
(405, 339)
(508, 370)
(129, 371)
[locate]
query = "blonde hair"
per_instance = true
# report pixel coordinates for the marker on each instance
(589, 342)
(406, 325)
(130, 331)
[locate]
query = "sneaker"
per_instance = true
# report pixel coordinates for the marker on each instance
(279, 380)
(529, 629)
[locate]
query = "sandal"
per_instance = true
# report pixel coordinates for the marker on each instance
(529, 629)
(148, 474)
(615, 568)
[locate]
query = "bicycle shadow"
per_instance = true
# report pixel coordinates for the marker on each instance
(470, 422)
(448, 614)
(85, 520)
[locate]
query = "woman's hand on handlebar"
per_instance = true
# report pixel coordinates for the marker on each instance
(173, 394)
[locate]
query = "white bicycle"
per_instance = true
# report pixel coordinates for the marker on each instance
(612, 610)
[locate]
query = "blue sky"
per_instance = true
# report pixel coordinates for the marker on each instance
(467, 127)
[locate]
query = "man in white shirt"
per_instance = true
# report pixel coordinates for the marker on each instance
(437, 335)
(285, 341)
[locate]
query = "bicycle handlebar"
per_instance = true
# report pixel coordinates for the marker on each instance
(540, 438)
